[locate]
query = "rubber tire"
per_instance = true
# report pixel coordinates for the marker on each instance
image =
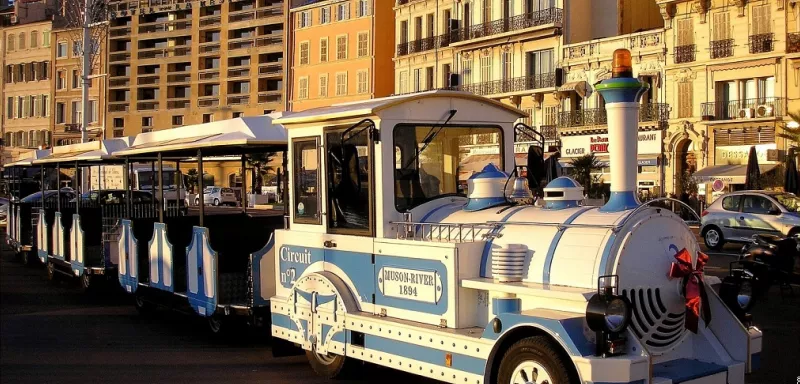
(540, 349)
(26, 259)
(721, 241)
(196, 201)
(89, 283)
(217, 326)
(793, 231)
(51, 271)
(340, 367)
(142, 305)
(215, 203)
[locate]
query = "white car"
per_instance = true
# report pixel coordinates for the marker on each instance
(217, 196)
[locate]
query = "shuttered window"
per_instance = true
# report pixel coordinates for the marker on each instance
(685, 94)
(722, 26)
(363, 81)
(486, 68)
(761, 20)
(304, 48)
(303, 88)
(323, 85)
(744, 136)
(685, 32)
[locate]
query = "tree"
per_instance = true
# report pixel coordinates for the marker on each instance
(581, 171)
(191, 180)
(792, 133)
(260, 163)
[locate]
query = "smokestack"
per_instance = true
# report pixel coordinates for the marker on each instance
(622, 94)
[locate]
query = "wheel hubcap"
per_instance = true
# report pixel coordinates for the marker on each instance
(326, 359)
(712, 237)
(530, 372)
(215, 324)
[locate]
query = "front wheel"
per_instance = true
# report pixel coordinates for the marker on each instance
(329, 366)
(713, 238)
(533, 360)
(216, 202)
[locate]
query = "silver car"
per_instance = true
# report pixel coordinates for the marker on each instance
(218, 196)
(736, 217)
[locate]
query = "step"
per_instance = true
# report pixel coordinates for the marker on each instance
(687, 370)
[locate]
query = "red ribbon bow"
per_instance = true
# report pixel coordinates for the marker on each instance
(694, 290)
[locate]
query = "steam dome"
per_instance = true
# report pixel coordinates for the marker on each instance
(486, 188)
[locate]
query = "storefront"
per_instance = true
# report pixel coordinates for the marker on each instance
(729, 172)
(649, 156)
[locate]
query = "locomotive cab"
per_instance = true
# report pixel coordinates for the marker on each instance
(404, 250)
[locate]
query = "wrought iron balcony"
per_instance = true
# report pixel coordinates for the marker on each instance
(684, 53)
(516, 23)
(517, 84)
(652, 112)
(763, 107)
(721, 48)
(422, 45)
(761, 43)
(793, 42)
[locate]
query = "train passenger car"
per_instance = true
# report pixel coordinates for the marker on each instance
(389, 261)
(21, 217)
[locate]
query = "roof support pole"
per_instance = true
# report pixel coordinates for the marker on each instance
(58, 187)
(127, 184)
(200, 185)
(153, 183)
(78, 175)
(179, 182)
(244, 184)
(161, 201)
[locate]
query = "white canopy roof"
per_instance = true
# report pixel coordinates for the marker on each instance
(28, 158)
(90, 151)
(373, 107)
(731, 174)
(241, 131)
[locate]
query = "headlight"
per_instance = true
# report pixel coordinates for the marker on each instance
(617, 315)
(608, 313)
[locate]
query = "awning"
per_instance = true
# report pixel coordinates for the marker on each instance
(582, 88)
(730, 174)
(28, 159)
(83, 152)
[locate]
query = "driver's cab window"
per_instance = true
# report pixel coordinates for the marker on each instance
(757, 205)
(349, 180)
(305, 162)
(432, 161)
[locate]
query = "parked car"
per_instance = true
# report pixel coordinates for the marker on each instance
(736, 217)
(217, 196)
(3, 210)
(115, 196)
(49, 196)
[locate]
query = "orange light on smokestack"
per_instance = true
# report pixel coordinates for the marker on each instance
(621, 64)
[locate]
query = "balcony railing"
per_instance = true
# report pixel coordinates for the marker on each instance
(209, 47)
(242, 43)
(178, 103)
(238, 99)
(793, 42)
(422, 45)
(119, 82)
(515, 23)
(179, 78)
(208, 101)
(653, 112)
(118, 106)
(147, 106)
(264, 41)
(269, 97)
(685, 53)
(764, 107)
(518, 84)
(209, 75)
(640, 44)
(210, 21)
(761, 43)
(169, 26)
(721, 48)
(117, 32)
(115, 57)
(150, 79)
(238, 72)
(270, 69)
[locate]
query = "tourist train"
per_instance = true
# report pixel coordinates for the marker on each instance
(405, 247)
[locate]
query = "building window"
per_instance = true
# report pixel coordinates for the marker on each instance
(147, 121)
(302, 86)
(46, 38)
(363, 8)
(343, 11)
(417, 80)
(61, 113)
(341, 47)
(9, 74)
(430, 25)
(34, 39)
(45, 106)
(685, 33)
(75, 117)
(363, 81)
(404, 32)
(323, 85)
(10, 107)
(76, 49)
(119, 132)
(21, 41)
(403, 82)
(177, 120)
(466, 71)
(323, 49)
(341, 84)
(363, 44)
(486, 68)
(446, 72)
(722, 26)
(76, 79)
(429, 81)
(61, 81)
(208, 118)
(540, 62)
(685, 94)
(325, 15)
(32, 106)
(304, 53)
(20, 103)
(119, 123)
(61, 49)
(10, 46)
(487, 11)
(304, 19)
(92, 111)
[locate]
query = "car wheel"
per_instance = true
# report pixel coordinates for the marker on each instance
(216, 202)
(196, 201)
(51, 272)
(794, 232)
(533, 360)
(330, 366)
(712, 236)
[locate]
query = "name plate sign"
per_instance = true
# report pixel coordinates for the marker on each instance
(410, 284)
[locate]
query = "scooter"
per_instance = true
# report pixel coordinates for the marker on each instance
(766, 260)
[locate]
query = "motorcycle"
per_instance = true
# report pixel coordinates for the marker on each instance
(766, 260)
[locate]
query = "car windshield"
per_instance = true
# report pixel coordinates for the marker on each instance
(32, 198)
(788, 201)
(210, 190)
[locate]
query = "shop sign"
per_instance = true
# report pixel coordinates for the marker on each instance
(576, 146)
(738, 154)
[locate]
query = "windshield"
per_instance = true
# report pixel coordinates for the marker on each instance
(440, 165)
(146, 180)
(32, 198)
(210, 189)
(788, 201)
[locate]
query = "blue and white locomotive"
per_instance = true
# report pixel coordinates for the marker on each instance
(405, 251)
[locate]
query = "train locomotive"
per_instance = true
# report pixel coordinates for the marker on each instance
(389, 259)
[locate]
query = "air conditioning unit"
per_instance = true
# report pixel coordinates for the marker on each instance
(13, 19)
(765, 110)
(746, 113)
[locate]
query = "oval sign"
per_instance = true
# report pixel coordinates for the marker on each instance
(718, 185)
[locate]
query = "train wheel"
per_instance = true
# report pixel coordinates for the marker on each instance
(51, 272)
(330, 366)
(142, 306)
(26, 258)
(533, 360)
(216, 325)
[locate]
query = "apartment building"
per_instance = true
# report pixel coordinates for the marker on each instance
(176, 62)
(731, 74)
(67, 87)
(26, 93)
(507, 50)
(340, 51)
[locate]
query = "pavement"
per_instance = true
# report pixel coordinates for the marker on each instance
(52, 332)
